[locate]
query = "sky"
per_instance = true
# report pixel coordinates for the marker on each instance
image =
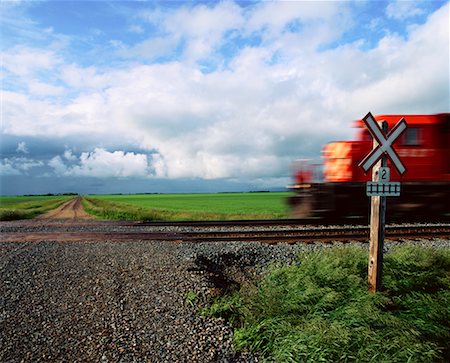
(203, 96)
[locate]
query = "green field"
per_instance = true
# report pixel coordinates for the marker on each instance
(23, 207)
(189, 206)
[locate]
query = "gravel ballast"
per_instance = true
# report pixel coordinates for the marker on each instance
(125, 301)
(104, 302)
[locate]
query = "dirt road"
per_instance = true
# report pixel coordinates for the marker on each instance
(72, 209)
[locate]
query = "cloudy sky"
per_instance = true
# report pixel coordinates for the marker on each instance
(165, 96)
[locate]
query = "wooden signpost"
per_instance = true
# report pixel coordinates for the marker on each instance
(379, 188)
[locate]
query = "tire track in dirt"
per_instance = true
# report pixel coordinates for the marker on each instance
(71, 210)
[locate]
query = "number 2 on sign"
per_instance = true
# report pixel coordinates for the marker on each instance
(384, 174)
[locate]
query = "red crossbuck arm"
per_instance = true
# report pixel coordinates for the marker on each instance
(384, 144)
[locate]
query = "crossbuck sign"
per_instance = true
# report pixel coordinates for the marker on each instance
(384, 144)
(379, 188)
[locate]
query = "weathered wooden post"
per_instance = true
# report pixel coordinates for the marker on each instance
(377, 224)
(379, 188)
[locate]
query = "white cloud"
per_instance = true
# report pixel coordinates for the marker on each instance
(26, 164)
(196, 30)
(24, 61)
(6, 168)
(136, 29)
(102, 163)
(401, 9)
(277, 15)
(158, 165)
(84, 78)
(18, 165)
(68, 155)
(413, 74)
(150, 49)
(296, 26)
(22, 147)
(58, 165)
(38, 88)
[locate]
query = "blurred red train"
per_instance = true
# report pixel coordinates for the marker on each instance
(340, 192)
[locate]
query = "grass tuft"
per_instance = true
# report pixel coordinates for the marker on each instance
(320, 310)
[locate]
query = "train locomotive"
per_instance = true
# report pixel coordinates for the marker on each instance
(340, 191)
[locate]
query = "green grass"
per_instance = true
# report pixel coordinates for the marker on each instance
(189, 206)
(25, 207)
(320, 311)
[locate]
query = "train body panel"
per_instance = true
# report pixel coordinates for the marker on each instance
(424, 148)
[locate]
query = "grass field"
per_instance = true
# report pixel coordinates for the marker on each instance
(189, 206)
(23, 207)
(319, 310)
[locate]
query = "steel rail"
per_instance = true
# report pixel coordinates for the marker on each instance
(282, 222)
(253, 223)
(325, 234)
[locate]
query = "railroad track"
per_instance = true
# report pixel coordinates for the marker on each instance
(218, 232)
(316, 234)
(282, 222)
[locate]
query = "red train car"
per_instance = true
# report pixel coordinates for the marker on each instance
(425, 151)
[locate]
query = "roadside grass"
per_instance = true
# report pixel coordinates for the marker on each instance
(26, 207)
(319, 310)
(159, 207)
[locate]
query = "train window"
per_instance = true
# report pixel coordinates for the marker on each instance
(411, 137)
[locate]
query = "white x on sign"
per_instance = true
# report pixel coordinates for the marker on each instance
(384, 144)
